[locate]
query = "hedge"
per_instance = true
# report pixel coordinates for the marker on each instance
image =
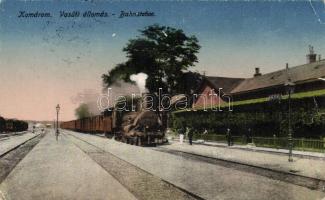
(261, 118)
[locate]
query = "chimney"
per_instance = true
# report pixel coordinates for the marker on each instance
(287, 66)
(311, 57)
(319, 57)
(257, 72)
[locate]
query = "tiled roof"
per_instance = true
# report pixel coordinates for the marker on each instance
(227, 84)
(298, 74)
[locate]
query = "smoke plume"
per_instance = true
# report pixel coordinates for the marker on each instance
(140, 80)
(118, 89)
(89, 98)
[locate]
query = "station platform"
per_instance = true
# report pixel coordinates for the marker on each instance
(59, 170)
(309, 164)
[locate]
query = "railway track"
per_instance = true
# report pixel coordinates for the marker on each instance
(142, 184)
(15, 147)
(7, 136)
(10, 158)
(289, 177)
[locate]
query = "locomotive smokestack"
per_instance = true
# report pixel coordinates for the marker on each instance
(146, 101)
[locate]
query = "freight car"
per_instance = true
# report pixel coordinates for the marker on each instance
(2, 124)
(13, 125)
(95, 124)
(140, 127)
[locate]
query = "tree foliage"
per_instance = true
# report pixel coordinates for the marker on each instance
(82, 111)
(163, 53)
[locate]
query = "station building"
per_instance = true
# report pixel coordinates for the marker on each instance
(303, 78)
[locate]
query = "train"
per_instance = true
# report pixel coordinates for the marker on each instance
(139, 127)
(12, 125)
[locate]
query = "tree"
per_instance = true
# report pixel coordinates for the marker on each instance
(163, 53)
(82, 111)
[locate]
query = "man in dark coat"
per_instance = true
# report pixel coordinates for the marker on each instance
(228, 136)
(190, 135)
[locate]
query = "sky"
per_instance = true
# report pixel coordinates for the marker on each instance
(56, 60)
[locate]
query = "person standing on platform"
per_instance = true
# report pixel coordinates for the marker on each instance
(190, 135)
(205, 132)
(228, 136)
(181, 132)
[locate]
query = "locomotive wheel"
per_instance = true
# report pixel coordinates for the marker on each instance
(123, 139)
(139, 141)
(136, 140)
(149, 140)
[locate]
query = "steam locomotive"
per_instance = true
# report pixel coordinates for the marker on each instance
(139, 126)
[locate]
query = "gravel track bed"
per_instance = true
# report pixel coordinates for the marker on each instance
(139, 182)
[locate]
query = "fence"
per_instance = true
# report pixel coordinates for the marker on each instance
(301, 144)
(298, 143)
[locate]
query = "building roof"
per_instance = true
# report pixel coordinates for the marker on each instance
(227, 84)
(298, 74)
